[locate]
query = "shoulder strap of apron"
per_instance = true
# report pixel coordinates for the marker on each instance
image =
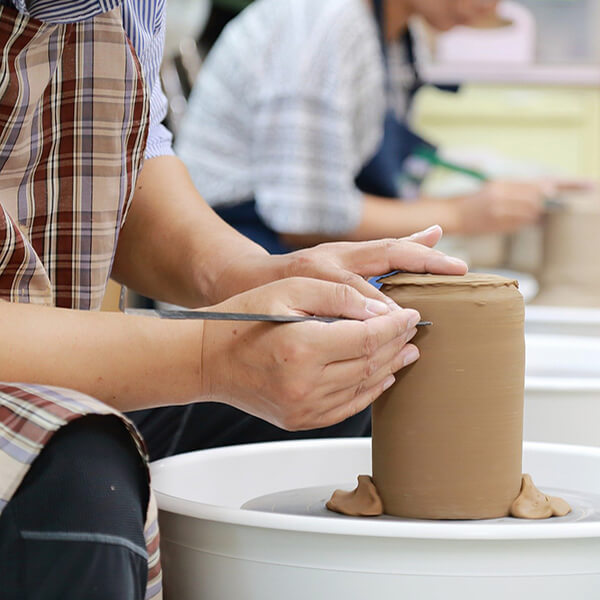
(407, 40)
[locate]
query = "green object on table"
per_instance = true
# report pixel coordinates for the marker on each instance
(434, 159)
(234, 5)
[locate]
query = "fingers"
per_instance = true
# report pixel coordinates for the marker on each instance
(383, 256)
(351, 262)
(316, 297)
(553, 186)
(510, 205)
(347, 402)
(348, 340)
(518, 212)
(369, 369)
(428, 237)
(416, 258)
(332, 272)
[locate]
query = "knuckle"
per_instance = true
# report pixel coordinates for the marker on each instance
(297, 392)
(297, 418)
(371, 367)
(290, 353)
(351, 279)
(386, 244)
(343, 293)
(370, 344)
(359, 388)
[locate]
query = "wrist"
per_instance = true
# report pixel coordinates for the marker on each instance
(182, 346)
(245, 266)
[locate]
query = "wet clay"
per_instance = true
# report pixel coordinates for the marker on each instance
(533, 504)
(570, 272)
(364, 501)
(447, 436)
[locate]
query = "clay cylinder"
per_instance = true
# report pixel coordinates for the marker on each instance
(570, 273)
(447, 436)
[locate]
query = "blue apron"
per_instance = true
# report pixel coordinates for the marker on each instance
(396, 171)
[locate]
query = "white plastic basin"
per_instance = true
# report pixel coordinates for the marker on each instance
(213, 550)
(562, 320)
(562, 389)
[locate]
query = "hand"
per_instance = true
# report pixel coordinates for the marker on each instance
(349, 263)
(306, 375)
(501, 206)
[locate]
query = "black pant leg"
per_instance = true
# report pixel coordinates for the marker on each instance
(75, 527)
(173, 430)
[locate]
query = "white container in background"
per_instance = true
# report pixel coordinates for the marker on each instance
(562, 320)
(514, 43)
(562, 389)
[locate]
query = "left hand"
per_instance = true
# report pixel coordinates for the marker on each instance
(348, 263)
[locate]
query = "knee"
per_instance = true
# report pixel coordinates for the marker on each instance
(92, 477)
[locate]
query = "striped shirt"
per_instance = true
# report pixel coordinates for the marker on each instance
(288, 108)
(144, 21)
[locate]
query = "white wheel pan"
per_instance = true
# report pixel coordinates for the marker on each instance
(215, 551)
(562, 389)
(559, 320)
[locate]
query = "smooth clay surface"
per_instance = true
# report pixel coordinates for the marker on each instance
(570, 272)
(447, 436)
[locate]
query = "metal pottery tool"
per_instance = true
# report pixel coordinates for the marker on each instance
(228, 316)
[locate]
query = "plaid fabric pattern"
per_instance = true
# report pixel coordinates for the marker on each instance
(73, 125)
(72, 133)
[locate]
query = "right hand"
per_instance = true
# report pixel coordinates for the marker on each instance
(501, 207)
(306, 375)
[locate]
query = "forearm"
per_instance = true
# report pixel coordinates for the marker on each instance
(386, 218)
(173, 247)
(125, 361)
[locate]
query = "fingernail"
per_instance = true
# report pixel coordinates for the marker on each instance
(425, 231)
(412, 353)
(375, 307)
(457, 261)
(414, 318)
(389, 382)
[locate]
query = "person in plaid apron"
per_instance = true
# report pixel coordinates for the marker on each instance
(80, 110)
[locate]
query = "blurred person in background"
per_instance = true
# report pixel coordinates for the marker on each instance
(297, 127)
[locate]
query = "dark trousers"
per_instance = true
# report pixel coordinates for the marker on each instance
(176, 429)
(75, 527)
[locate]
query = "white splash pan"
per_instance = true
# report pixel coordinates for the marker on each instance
(562, 389)
(562, 320)
(214, 550)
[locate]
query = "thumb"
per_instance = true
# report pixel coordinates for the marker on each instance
(328, 299)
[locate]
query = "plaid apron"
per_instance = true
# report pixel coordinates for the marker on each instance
(73, 124)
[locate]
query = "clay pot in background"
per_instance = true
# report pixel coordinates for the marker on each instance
(570, 270)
